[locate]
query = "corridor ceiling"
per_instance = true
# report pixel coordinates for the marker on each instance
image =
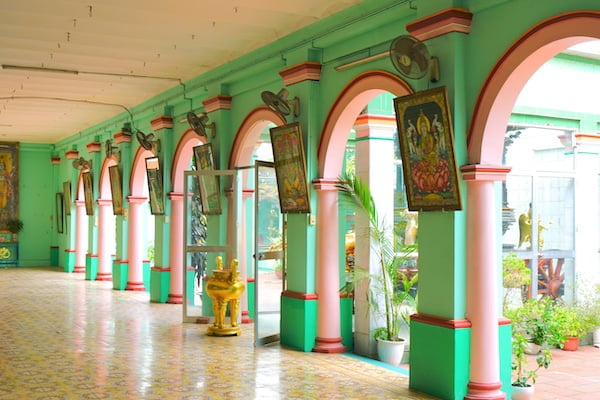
(82, 62)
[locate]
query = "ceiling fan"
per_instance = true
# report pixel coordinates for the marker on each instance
(147, 142)
(199, 123)
(109, 149)
(82, 164)
(412, 60)
(280, 104)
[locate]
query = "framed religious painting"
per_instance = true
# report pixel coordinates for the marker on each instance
(155, 186)
(208, 184)
(68, 200)
(59, 213)
(116, 189)
(290, 168)
(427, 151)
(88, 192)
(9, 183)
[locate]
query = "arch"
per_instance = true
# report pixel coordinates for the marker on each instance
(104, 182)
(183, 155)
(137, 182)
(249, 132)
(496, 99)
(348, 105)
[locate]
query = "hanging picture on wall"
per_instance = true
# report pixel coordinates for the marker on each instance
(116, 189)
(88, 192)
(59, 213)
(155, 186)
(427, 150)
(9, 183)
(67, 197)
(208, 184)
(290, 168)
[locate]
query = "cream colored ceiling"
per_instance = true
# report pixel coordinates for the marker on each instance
(104, 40)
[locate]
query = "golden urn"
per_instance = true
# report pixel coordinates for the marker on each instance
(225, 286)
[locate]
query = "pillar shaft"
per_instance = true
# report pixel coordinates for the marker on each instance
(81, 236)
(176, 249)
(135, 280)
(106, 238)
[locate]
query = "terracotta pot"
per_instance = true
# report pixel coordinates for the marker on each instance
(522, 392)
(571, 344)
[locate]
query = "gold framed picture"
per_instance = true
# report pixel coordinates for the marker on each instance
(290, 168)
(427, 151)
(88, 192)
(208, 184)
(116, 189)
(155, 186)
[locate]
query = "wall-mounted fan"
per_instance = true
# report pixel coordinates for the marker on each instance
(147, 142)
(82, 164)
(110, 149)
(199, 123)
(412, 60)
(280, 104)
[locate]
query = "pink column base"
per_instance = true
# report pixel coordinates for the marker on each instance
(246, 317)
(139, 286)
(175, 299)
(329, 345)
(79, 269)
(104, 276)
(485, 391)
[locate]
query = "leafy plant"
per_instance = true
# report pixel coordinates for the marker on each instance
(14, 225)
(536, 320)
(390, 284)
(524, 375)
(571, 321)
(514, 272)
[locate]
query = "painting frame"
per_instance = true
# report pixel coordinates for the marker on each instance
(60, 213)
(290, 168)
(9, 182)
(116, 189)
(210, 192)
(88, 192)
(427, 150)
(67, 197)
(155, 186)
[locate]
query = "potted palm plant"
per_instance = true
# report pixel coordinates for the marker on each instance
(14, 226)
(390, 289)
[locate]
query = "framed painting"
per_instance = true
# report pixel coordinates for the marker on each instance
(427, 151)
(290, 168)
(59, 213)
(116, 189)
(67, 197)
(9, 183)
(208, 184)
(155, 186)
(88, 192)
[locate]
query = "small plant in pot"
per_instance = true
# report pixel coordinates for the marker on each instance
(573, 325)
(524, 376)
(390, 289)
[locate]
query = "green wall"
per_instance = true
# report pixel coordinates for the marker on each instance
(37, 191)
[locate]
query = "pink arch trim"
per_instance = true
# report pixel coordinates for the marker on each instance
(137, 181)
(183, 155)
(248, 133)
(527, 54)
(346, 108)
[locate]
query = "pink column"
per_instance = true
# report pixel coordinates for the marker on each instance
(135, 280)
(246, 194)
(104, 246)
(329, 339)
(482, 284)
(81, 236)
(176, 249)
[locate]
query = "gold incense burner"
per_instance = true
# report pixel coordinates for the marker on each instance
(225, 286)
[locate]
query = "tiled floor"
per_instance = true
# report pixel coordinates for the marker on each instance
(62, 337)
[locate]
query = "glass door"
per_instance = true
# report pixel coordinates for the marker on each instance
(269, 260)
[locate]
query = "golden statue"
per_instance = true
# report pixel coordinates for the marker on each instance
(525, 230)
(223, 287)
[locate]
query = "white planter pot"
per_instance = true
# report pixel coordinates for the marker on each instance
(597, 337)
(522, 393)
(390, 352)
